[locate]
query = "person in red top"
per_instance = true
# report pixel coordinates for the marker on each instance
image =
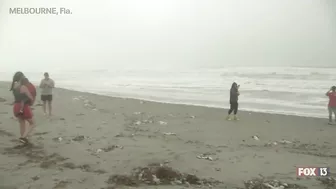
(332, 103)
(23, 91)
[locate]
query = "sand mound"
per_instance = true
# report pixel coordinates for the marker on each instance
(270, 184)
(159, 174)
(329, 182)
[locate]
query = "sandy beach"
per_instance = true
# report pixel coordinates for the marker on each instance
(92, 140)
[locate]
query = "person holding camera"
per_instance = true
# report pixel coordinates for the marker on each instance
(332, 103)
(234, 93)
(47, 85)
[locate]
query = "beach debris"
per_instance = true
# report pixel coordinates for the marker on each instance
(75, 98)
(191, 116)
(169, 133)
(80, 114)
(61, 184)
(255, 137)
(206, 157)
(120, 135)
(2, 100)
(58, 139)
(278, 142)
(285, 142)
(147, 121)
(110, 148)
(159, 174)
(89, 104)
(163, 123)
(142, 102)
(35, 178)
(329, 182)
(78, 138)
(140, 122)
(262, 183)
(137, 113)
(271, 144)
(99, 151)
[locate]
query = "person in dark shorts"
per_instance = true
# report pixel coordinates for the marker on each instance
(332, 103)
(234, 93)
(47, 85)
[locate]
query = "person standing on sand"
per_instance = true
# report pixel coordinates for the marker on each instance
(47, 85)
(332, 103)
(17, 78)
(234, 93)
(20, 88)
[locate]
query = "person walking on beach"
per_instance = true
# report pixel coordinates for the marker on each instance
(47, 85)
(24, 114)
(234, 93)
(18, 76)
(332, 103)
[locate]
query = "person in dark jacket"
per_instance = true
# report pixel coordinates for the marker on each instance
(234, 93)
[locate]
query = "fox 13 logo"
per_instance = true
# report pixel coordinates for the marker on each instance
(312, 171)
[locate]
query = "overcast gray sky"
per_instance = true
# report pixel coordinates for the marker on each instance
(169, 32)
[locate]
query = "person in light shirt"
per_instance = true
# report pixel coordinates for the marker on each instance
(47, 85)
(332, 103)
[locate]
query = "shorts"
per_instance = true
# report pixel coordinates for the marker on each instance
(46, 98)
(27, 112)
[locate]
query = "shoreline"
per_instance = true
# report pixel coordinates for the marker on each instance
(113, 95)
(92, 138)
(196, 105)
(261, 108)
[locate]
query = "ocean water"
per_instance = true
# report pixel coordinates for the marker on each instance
(283, 90)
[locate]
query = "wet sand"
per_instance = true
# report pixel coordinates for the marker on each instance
(90, 138)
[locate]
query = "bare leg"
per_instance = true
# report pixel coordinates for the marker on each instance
(22, 126)
(44, 108)
(330, 114)
(28, 128)
(334, 110)
(50, 107)
(31, 126)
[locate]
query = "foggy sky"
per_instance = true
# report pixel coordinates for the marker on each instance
(168, 32)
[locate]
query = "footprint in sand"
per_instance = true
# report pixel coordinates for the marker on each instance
(40, 133)
(5, 133)
(61, 184)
